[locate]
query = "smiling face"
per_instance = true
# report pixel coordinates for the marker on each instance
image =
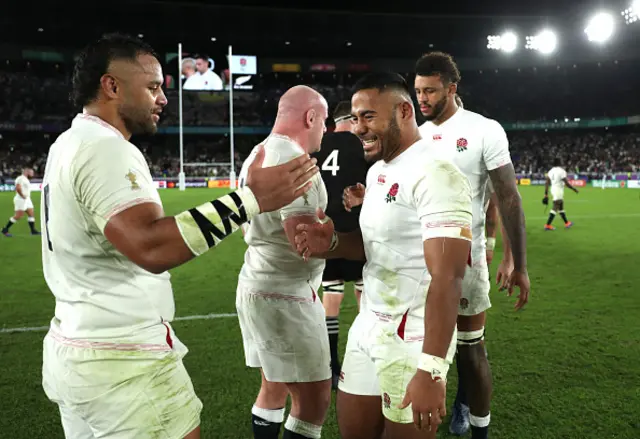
(375, 121)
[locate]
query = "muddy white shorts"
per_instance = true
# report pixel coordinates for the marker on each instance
(285, 335)
(475, 291)
(110, 393)
(378, 362)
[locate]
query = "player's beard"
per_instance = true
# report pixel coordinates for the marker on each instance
(391, 140)
(137, 120)
(437, 109)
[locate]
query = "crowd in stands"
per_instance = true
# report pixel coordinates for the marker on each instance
(581, 152)
(38, 93)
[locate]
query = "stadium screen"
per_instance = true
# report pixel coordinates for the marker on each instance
(201, 72)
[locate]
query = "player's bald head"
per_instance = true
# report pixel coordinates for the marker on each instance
(300, 99)
(302, 112)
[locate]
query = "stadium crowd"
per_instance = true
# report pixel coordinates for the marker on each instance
(581, 152)
(38, 93)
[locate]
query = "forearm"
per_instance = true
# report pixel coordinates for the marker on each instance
(506, 248)
(546, 188)
(441, 314)
(514, 225)
(492, 221)
(511, 213)
(350, 246)
(160, 244)
(205, 226)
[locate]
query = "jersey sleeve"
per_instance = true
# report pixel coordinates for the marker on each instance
(307, 203)
(563, 174)
(495, 152)
(110, 176)
(443, 200)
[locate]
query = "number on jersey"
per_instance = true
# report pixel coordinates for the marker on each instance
(331, 163)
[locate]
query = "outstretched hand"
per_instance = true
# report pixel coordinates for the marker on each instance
(277, 186)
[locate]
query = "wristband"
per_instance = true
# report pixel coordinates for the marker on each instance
(436, 366)
(205, 226)
(334, 242)
(491, 244)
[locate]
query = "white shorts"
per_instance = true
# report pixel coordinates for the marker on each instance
(557, 193)
(284, 335)
(378, 362)
(119, 394)
(475, 291)
(22, 204)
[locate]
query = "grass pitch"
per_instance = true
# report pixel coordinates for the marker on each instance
(568, 366)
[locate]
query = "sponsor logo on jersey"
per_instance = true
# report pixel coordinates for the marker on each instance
(381, 179)
(437, 137)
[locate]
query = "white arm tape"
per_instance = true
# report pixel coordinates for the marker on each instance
(205, 226)
(443, 230)
(491, 244)
(436, 366)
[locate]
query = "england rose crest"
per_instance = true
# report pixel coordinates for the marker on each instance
(391, 196)
(386, 400)
(461, 144)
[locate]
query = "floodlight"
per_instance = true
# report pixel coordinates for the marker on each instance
(600, 27)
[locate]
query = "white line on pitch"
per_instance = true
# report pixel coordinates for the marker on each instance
(46, 328)
(597, 216)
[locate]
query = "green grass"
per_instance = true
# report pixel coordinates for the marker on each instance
(568, 366)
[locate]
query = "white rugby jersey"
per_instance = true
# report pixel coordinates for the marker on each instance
(557, 176)
(415, 197)
(271, 265)
(92, 174)
(25, 185)
(476, 145)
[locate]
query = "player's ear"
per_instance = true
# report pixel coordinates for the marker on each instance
(453, 89)
(311, 117)
(109, 86)
(407, 111)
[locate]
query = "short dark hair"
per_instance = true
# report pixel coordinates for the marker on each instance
(382, 81)
(343, 109)
(557, 161)
(202, 57)
(94, 61)
(438, 63)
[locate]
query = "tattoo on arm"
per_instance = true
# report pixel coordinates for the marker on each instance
(510, 207)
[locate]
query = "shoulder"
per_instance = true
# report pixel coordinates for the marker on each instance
(425, 127)
(105, 152)
(441, 172)
(280, 149)
(340, 140)
(487, 125)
